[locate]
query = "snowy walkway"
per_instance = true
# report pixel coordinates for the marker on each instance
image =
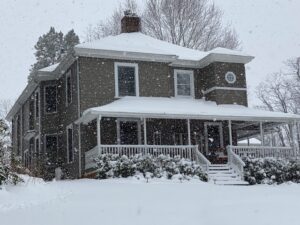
(131, 202)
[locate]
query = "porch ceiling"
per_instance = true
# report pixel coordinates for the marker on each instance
(182, 108)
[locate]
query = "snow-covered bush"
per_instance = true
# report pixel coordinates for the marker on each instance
(6, 176)
(271, 171)
(113, 166)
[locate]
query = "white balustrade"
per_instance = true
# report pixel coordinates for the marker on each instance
(187, 151)
(263, 151)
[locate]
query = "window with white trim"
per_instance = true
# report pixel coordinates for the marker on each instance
(184, 83)
(230, 77)
(51, 99)
(51, 147)
(70, 144)
(126, 79)
(37, 104)
(157, 138)
(68, 87)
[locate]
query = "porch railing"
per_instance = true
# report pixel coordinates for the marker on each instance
(186, 151)
(263, 151)
(235, 161)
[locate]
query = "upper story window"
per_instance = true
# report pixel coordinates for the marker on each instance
(31, 114)
(230, 77)
(51, 99)
(184, 83)
(68, 87)
(37, 104)
(126, 79)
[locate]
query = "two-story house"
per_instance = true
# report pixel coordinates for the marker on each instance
(131, 93)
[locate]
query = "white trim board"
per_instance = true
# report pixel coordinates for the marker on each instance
(224, 88)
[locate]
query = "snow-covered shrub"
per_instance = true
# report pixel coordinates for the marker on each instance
(111, 166)
(6, 176)
(271, 171)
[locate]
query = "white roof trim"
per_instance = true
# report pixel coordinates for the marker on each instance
(224, 88)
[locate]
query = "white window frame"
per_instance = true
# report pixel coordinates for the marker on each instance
(67, 132)
(229, 81)
(69, 74)
(191, 74)
(136, 74)
(50, 85)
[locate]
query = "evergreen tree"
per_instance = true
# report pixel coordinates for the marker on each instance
(70, 40)
(50, 45)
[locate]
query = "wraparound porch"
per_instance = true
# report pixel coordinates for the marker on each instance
(130, 130)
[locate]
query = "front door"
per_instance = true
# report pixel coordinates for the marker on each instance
(129, 132)
(213, 137)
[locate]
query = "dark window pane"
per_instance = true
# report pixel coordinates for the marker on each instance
(70, 145)
(126, 79)
(51, 149)
(50, 99)
(69, 88)
(37, 147)
(37, 107)
(31, 115)
(129, 133)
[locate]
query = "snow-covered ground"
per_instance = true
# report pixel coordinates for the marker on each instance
(159, 202)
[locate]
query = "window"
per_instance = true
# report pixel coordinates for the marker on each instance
(157, 138)
(70, 145)
(31, 114)
(180, 139)
(19, 136)
(51, 149)
(31, 151)
(68, 87)
(26, 158)
(37, 104)
(126, 79)
(50, 99)
(230, 77)
(37, 146)
(184, 83)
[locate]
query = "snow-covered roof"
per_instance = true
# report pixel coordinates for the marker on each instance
(49, 68)
(156, 107)
(139, 43)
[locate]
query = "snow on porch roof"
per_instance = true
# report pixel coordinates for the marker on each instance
(182, 108)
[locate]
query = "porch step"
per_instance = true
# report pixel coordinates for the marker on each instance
(222, 174)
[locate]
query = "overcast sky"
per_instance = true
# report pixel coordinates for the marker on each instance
(268, 29)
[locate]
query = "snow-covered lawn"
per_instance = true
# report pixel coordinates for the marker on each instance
(135, 202)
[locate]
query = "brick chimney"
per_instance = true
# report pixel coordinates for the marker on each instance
(130, 22)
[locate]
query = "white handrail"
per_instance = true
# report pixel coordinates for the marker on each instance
(235, 162)
(202, 160)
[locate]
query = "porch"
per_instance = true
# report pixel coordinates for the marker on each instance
(193, 134)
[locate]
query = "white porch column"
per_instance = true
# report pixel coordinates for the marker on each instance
(99, 134)
(261, 133)
(294, 137)
(230, 132)
(145, 131)
(189, 131)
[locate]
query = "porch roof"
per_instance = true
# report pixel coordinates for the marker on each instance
(182, 108)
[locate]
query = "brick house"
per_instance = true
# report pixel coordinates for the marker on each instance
(131, 93)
